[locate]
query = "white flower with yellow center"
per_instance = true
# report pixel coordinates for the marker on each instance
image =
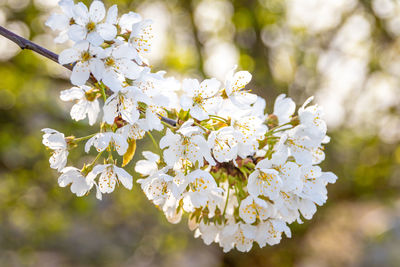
(123, 103)
(62, 21)
(88, 24)
(270, 232)
(253, 208)
(237, 235)
(110, 176)
(56, 142)
(82, 56)
(235, 84)
(201, 99)
(187, 147)
(201, 186)
(101, 141)
(265, 181)
(87, 104)
(114, 61)
(140, 38)
(132, 131)
(224, 144)
(249, 129)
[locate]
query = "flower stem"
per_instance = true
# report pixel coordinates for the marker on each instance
(227, 198)
(154, 141)
(84, 138)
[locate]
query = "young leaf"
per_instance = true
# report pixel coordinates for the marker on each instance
(130, 152)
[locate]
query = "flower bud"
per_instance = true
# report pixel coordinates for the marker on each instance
(272, 121)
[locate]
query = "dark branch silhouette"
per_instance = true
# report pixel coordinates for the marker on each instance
(26, 44)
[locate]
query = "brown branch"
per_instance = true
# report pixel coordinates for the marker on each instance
(26, 44)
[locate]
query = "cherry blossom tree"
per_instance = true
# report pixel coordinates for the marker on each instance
(240, 176)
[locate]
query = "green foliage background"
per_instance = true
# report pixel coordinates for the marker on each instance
(44, 225)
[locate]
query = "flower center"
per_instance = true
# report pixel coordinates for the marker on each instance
(110, 62)
(90, 26)
(85, 56)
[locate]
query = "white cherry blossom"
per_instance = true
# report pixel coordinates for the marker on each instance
(223, 144)
(81, 54)
(187, 146)
(110, 176)
(87, 104)
(62, 21)
(56, 142)
(265, 180)
(235, 84)
(79, 184)
(89, 26)
(201, 99)
(253, 208)
(103, 140)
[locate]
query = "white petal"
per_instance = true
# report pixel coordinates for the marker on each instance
(107, 31)
(97, 11)
(81, 14)
(78, 111)
(97, 68)
(112, 15)
(80, 73)
(121, 144)
(94, 38)
(93, 111)
(77, 33)
(68, 56)
(58, 22)
(72, 94)
(124, 177)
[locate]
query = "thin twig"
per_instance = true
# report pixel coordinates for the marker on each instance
(26, 44)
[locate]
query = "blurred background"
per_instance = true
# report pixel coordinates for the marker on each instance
(345, 52)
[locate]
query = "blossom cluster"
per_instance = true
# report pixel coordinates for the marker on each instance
(240, 175)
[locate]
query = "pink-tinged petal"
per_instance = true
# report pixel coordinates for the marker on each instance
(80, 73)
(68, 56)
(77, 33)
(97, 12)
(94, 38)
(107, 31)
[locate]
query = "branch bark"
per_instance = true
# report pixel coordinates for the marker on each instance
(26, 44)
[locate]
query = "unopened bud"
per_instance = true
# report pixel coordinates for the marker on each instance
(119, 122)
(295, 121)
(272, 121)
